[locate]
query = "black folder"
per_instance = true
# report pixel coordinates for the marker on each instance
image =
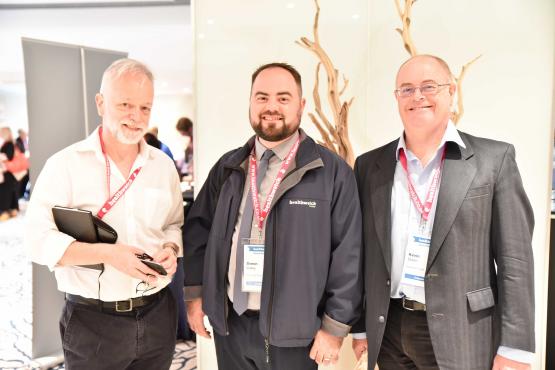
(84, 227)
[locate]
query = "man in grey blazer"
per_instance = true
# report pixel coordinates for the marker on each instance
(447, 235)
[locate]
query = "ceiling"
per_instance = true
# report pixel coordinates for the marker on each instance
(160, 36)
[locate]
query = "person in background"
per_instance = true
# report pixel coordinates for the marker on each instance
(9, 188)
(163, 147)
(22, 143)
(185, 127)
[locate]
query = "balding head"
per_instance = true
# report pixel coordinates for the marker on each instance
(428, 58)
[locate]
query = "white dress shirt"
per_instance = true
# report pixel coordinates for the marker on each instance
(149, 214)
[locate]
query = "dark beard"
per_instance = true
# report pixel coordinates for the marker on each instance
(274, 134)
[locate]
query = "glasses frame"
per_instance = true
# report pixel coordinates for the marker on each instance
(419, 88)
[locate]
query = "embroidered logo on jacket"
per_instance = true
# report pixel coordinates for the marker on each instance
(298, 202)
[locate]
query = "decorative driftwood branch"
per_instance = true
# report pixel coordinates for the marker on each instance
(459, 111)
(335, 135)
(405, 15)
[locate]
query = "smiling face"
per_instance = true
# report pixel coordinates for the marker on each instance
(124, 105)
(425, 113)
(276, 106)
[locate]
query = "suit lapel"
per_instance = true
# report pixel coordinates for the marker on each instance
(381, 184)
(457, 175)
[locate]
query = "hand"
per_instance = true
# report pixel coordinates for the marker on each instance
(325, 350)
(359, 347)
(503, 363)
(195, 316)
(124, 258)
(166, 257)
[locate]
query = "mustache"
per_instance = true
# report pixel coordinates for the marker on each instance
(130, 123)
(271, 113)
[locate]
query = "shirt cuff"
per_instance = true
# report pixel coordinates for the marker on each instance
(333, 327)
(54, 248)
(192, 292)
(174, 236)
(516, 354)
(359, 335)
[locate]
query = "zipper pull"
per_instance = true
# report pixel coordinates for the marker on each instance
(267, 348)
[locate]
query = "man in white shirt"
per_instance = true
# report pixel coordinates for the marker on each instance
(121, 316)
(447, 238)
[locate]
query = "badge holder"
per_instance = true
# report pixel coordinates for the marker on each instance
(253, 265)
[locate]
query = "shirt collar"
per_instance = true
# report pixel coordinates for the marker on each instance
(281, 151)
(450, 134)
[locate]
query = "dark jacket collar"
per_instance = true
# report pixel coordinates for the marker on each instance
(308, 152)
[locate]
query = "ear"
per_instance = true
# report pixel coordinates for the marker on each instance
(452, 89)
(99, 99)
(303, 103)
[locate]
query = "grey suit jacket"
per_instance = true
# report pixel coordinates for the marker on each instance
(479, 279)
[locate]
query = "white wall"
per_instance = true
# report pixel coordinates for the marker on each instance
(508, 92)
(13, 108)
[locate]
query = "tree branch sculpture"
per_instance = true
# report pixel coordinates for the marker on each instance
(405, 15)
(335, 136)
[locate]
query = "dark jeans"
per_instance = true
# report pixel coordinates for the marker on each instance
(406, 343)
(142, 339)
(244, 348)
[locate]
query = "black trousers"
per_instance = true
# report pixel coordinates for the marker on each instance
(406, 343)
(141, 339)
(244, 348)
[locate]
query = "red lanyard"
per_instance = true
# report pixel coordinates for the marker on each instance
(118, 194)
(423, 209)
(260, 214)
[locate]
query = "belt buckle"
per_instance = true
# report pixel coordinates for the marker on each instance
(130, 300)
(406, 307)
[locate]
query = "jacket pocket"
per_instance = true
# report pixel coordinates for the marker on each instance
(477, 192)
(480, 299)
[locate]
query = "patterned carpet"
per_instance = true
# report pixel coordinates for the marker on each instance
(16, 305)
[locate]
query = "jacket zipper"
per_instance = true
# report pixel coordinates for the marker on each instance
(226, 308)
(270, 304)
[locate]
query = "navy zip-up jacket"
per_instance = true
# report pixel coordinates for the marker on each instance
(312, 262)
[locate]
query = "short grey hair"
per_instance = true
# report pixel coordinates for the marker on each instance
(122, 67)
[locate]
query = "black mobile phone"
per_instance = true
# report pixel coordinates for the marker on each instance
(155, 266)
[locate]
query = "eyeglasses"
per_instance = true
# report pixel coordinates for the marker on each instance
(143, 287)
(429, 88)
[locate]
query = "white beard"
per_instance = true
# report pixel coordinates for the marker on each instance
(124, 136)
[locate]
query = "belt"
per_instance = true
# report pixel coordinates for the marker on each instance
(408, 304)
(116, 306)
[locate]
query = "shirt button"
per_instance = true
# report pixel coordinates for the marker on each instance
(388, 282)
(381, 319)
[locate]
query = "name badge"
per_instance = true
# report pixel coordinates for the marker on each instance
(416, 258)
(253, 266)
